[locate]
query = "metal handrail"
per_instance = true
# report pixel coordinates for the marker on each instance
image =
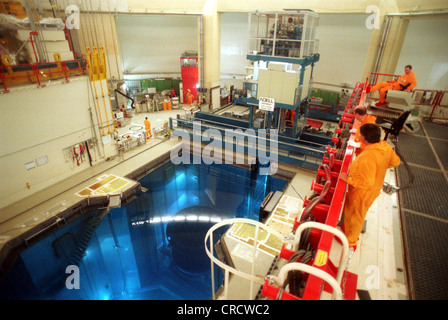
(282, 147)
(334, 231)
(283, 273)
(228, 269)
(34, 71)
(335, 283)
(247, 135)
(376, 74)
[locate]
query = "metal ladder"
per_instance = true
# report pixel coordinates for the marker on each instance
(92, 224)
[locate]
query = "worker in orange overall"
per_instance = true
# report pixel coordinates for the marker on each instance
(406, 82)
(147, 128)
(363, 117)
(365, 180)
(190, 98)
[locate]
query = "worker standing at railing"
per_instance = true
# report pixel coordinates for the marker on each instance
(365, 179)
(406, 82)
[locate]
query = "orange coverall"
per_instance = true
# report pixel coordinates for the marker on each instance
(404, 80)
(368, 119)
(148, 128)
(190, 98)
(365, 182)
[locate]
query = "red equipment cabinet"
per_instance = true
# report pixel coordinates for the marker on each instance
(190, 74)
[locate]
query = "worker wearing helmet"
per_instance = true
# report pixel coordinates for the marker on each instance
(365, 179)
(406, 82)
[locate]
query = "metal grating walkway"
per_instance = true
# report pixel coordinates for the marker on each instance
(424, 210)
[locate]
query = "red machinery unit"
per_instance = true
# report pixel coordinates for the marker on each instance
(326, 209)
(190, 74)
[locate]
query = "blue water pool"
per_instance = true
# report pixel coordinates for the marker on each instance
(151, 248)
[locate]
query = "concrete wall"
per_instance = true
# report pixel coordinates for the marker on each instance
(42, 122)
(425, 47)
(154, 44)
(342, 29)
(234, 32)
(343, 46)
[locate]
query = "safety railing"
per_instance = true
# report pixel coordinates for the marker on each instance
(289, 151)
(270, 282)
(11, 75)
(425, 97)
(327, 228)
(322, 212)
(292, 246)
(441, 101)
(330, 111)
(339, 160)
(326, 209)
(208, 241)
(297, 266)
(375, 75)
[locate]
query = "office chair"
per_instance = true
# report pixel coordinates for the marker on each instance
(394, 126)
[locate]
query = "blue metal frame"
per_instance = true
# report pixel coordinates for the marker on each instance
(325, 112)
(309, 60)
(304, 152)
(302, 61)
(305, 155)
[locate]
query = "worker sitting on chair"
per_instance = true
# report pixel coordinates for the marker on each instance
(147, 128)
(190, 98)
(363, 117)
(406, 82)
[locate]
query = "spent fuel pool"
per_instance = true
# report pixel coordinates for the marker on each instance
(150, 249)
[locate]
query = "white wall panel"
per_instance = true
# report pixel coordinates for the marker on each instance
(42, 122)
(425, 47)
(343, 44)
(234, 29)
(153, 44)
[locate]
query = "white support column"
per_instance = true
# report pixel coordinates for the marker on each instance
(211, 50)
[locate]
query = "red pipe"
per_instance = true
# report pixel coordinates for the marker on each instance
(33, 33)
